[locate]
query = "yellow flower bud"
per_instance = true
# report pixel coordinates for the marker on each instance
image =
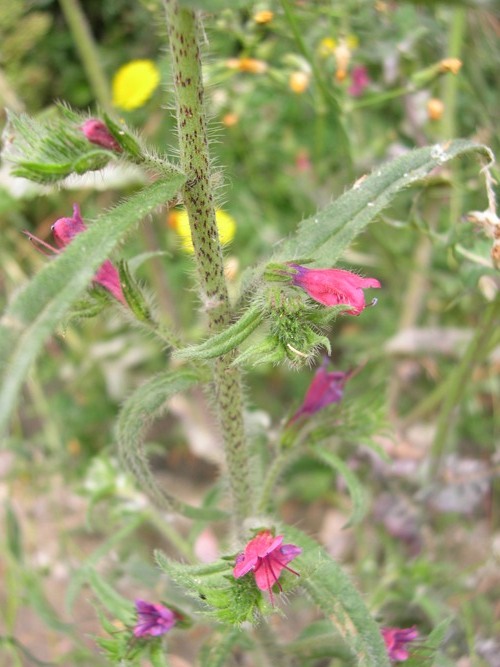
(435, 108)
(264, 16)
(251, 65)
(299, 82)
(452, 65)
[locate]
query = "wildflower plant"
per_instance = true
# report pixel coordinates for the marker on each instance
(285, 312)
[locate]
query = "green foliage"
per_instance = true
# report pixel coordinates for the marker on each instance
(36, 311)
(140, 409)
(218, 651)
(331, 589)
(231, 601)
(325, 235)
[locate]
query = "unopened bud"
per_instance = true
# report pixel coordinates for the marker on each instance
(435, 108)
(98, 133)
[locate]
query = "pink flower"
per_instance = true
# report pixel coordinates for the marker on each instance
(360, 80)
(65, 229)
(97, 133)
(396, 640)
(153, 619)
(333, 287)
(326, 388)
(266, 557)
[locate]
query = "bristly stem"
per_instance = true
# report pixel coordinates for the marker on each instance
(183, 32)
(87, 49)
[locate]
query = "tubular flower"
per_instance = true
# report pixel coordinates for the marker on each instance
(97, 133)
(64, 230)
(325, 389)
(333, 287)
(396, 640)
(153, 619)
(266, 557)
(134, 83)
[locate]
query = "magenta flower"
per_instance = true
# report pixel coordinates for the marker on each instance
(97, 133)
(153, 619)
(326, 388)
(360, 80)
(396, 640)
(65, 229)
(333, 287)
(266, 557)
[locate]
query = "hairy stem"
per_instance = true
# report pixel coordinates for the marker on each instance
(183, 31)
(272, 653)
(87, 49)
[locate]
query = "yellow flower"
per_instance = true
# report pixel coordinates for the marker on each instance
(264, 16)
(134, 83)
(178, 219)
(327, 47)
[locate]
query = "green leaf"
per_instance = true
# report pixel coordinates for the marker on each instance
(226, 340)
(334, 593)
(327, 234)
(37, 309)
(80, 577)
(139, 410)
(118, 606)
(356, 489)
(231, 601)
(220, 648)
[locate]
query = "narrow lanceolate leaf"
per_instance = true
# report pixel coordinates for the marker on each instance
(334, 593)
(326, 235)
(225, 341)
(37, 309)
(356, 490)
(220, 648)
(118, 606)
(137, 413)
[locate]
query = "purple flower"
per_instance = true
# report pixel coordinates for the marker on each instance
(326, 388)
(65, 229)
(153, 619)
(266, 557)
(97, 133)
(333, 287)
(360, 81)
(396, 640)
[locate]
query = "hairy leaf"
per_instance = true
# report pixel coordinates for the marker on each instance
(325, 236)
(334, 593)
(355, 487)
(139, 410)
(37, 309)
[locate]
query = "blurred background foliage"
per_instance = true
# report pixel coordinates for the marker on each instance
(290, 131)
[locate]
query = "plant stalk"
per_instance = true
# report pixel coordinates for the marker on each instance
(461, 376)
(87, 49)
(183, 32)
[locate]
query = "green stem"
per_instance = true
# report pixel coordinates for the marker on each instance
(460, 378)
(327, 93)
(183, 31)
(87, 48)
(272, 653)
(451, 82)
